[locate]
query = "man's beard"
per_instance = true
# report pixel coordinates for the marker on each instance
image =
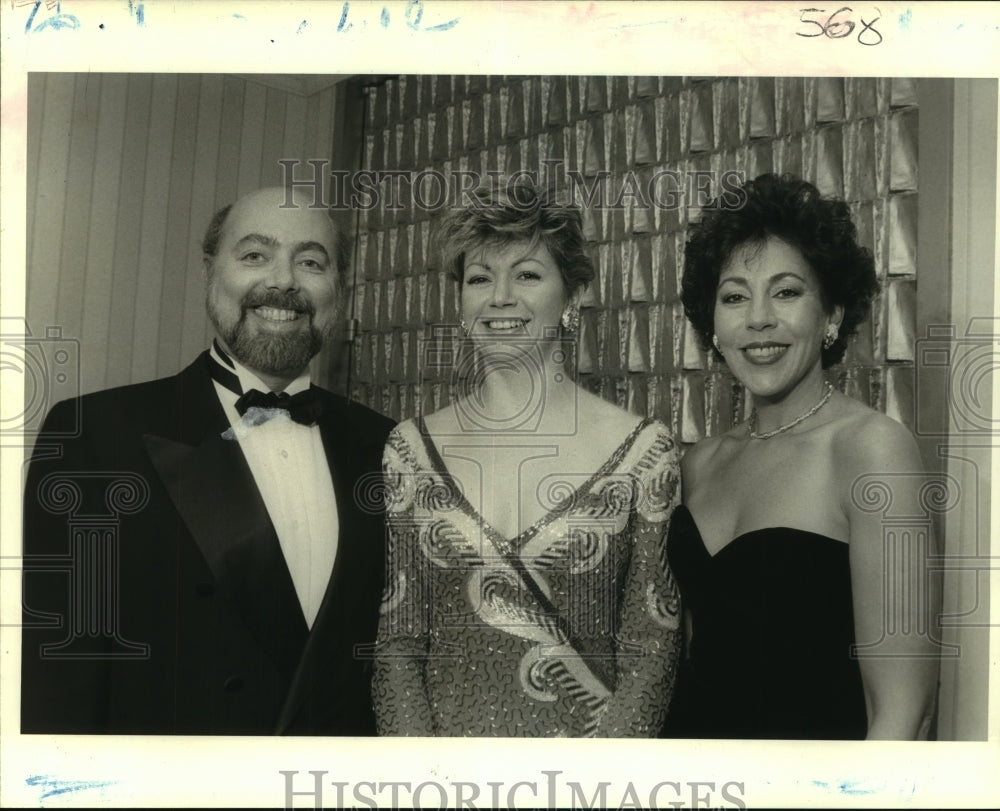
(279, 355)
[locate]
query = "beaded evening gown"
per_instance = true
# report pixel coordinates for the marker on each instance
(772, 628)
(466, 650)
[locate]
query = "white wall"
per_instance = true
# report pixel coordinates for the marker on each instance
(124, 173)
(958, 155)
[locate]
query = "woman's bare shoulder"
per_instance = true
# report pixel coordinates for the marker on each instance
(865, 440)
(597, 414)
(701, 458)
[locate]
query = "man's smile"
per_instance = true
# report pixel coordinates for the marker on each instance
(275, 314)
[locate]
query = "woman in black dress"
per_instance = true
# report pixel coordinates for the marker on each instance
(781, 568)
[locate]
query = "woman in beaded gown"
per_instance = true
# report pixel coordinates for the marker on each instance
(528, 592)
(792, 598)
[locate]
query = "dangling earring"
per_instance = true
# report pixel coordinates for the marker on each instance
(715, 343)
(570, 319)
(832, 331)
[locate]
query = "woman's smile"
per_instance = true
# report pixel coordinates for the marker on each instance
(505, 324)
(763, 354)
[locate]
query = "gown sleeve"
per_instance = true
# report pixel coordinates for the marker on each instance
(399, 689)
(647, 642)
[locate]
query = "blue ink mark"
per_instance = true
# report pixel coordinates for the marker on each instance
(59, 21)
(55, 787)
(31, 17)
(302, 25)
(415, 13)
(443, 26)
(854, 787)
(343, 25)
(960, 26)
(849, 787)
(239, 16)
(413, 18)
(905, 18)
(139, 10)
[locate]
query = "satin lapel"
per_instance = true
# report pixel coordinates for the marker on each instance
(214, 492)
(353, 582)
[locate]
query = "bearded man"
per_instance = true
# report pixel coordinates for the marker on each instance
(203, 555)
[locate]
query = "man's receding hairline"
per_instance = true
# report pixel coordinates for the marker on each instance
(325, 213)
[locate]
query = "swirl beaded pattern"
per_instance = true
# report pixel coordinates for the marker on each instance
(464, 651)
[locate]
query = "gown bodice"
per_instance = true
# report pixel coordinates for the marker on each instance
(465, 647)
(772, 626)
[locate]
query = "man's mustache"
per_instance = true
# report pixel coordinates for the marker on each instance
(278, 300)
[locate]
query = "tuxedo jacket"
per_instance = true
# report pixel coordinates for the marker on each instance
(156, 596)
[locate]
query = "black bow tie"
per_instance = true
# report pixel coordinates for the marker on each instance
(305, 408)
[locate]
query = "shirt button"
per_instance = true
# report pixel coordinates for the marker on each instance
(233, 683)
(284, 454)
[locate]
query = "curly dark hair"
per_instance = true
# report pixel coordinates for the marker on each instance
(792, 210)
(498, 216)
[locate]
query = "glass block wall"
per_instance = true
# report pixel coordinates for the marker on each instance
(855, 138)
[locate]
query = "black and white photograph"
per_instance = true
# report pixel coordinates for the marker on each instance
(493, 398)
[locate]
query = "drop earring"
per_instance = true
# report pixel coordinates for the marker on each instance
(832, 332)
(715, 343)
(570, 320)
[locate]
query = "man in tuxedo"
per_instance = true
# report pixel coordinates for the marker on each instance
(204, 553)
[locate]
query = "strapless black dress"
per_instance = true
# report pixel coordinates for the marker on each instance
(773, 626)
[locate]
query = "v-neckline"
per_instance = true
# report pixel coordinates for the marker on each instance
(512, 544)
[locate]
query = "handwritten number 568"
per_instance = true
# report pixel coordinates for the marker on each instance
(838, 29)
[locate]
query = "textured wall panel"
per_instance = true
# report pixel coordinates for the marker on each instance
(903, 150)
(902, 235)
(900, 324)
(854, 137)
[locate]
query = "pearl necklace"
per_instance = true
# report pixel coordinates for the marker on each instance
(793, 423)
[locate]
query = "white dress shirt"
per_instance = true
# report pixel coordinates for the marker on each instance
(289, 464)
